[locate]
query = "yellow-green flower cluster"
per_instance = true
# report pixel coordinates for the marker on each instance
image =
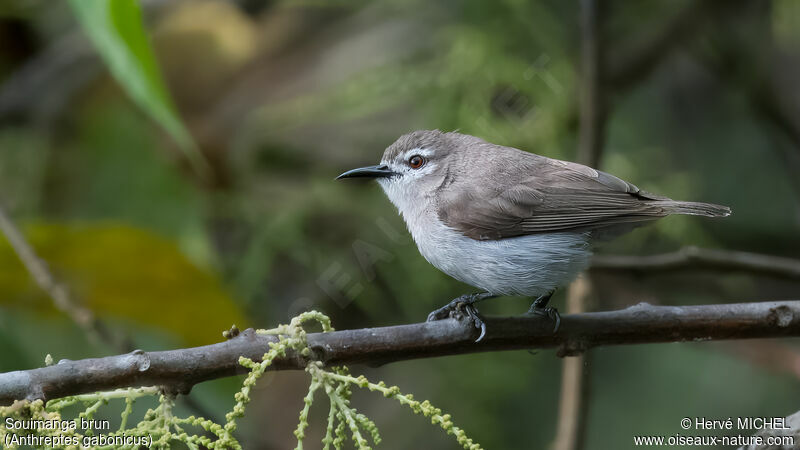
(165, 429)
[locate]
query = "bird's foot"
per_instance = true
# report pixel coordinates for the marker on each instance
(547, 312)
(461, 305)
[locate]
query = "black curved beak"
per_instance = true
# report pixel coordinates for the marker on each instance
(379, 171)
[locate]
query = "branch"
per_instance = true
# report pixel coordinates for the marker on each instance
(624, 68)
(573, 404)
(627, 67)
(591, 136)
(95, 329)
(732, 59)
(575, 374)
(179, 370)
(62, 299)
(694, 257)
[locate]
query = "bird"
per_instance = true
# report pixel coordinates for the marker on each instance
(506, 221)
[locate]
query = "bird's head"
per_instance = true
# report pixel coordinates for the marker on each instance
(413, 168)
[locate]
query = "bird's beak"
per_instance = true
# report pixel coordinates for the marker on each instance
(379, 171)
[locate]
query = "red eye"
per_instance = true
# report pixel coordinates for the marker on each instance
(416, 161)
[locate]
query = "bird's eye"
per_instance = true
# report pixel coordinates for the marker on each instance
(416, 161)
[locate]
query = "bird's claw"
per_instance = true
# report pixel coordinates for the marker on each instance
(472, 311)
(456, 309)
(548, 312)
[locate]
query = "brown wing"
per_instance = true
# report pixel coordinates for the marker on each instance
(541, 195)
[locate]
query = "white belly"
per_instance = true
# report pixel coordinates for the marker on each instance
(527, 265)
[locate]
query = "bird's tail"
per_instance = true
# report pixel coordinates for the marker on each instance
(696, 208)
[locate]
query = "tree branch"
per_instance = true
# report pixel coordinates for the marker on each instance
(95, 329)
(62, 299)
(641, 55)
(694, 257)
(591, 135)
(179, 370)
(573, 404)
(576, 372)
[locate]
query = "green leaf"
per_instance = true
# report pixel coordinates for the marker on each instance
(123, 274)
(116, 29)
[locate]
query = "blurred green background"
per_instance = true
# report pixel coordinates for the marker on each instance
(175, 210)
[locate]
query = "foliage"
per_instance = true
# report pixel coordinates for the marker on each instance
(115, 27)
(326, 86)
(123, 272)
(160, 427)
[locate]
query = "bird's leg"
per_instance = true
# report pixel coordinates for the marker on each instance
(457, 304)
(539, 308)
(465, 303)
